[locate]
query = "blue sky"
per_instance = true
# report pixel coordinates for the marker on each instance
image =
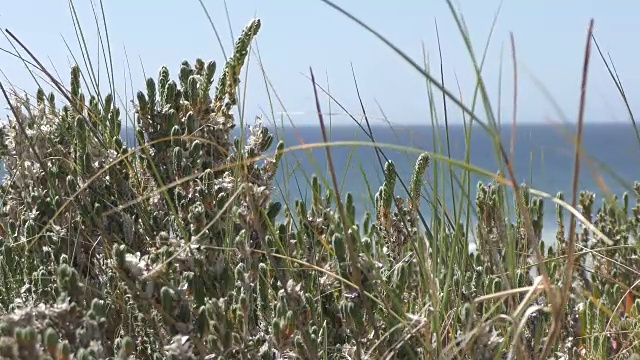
(295, 35)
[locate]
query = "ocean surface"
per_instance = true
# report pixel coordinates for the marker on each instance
(543, 158)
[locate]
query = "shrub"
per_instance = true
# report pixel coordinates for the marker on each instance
(171, 248)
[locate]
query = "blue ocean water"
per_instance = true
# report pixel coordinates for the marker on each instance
(543, 158)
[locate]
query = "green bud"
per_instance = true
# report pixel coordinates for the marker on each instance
(87, 162)
(143, 105)
(274, 210)
(202, 322)
(108, 102)
(199, 66)
(163, 80)
(172, 120)
(72, 184)
(94, 108)
(240, 272)
(176, 136)
(187, 169)
(276, 327)
(171, 93)
(97, 306)
(185, 74)
(290, 319)
(151, 92)
(465, 313)
(208, 76)
(75, 81)
(177, 159)
(167, 297)
(279, 152)
(51, 340)
(625, 202)
(281, 308)
(196, 147)
(5, 329)
(40, 97)
(31, 336)
(339, 247)
(184, 312)
(52, 103)
(81, 103)
(243, 301)
(119, 254)
(81, 134)
(190, 120)
(386, 192)
(351, 209)
(192, 88)
(416, 180)
(366, 222)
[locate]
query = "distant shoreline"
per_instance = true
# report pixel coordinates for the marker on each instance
(398, 126)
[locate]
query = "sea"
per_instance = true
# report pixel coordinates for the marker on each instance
(542, 156)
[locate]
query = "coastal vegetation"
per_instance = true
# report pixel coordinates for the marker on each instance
(175, 247)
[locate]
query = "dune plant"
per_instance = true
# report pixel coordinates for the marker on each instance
(174, 246)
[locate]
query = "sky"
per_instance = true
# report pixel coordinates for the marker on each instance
(298, 35)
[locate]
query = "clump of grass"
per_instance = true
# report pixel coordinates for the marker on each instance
(173, 248)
